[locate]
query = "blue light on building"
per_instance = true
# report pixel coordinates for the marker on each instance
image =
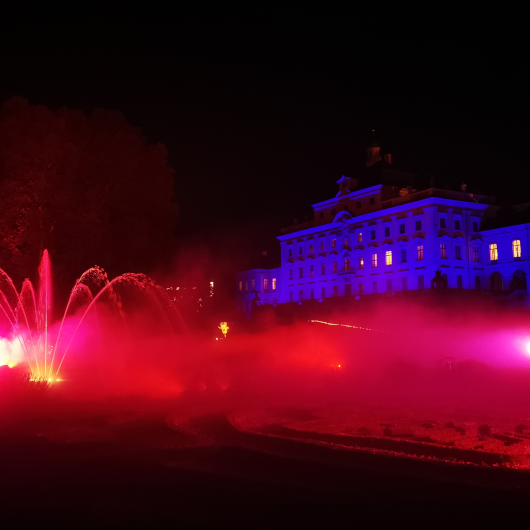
(386, 238)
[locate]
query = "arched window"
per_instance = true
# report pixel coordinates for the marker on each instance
(494, 254)
(516, 248)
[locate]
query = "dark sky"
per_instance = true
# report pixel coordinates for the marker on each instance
(263, 108)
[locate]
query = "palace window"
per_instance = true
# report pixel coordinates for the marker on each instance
(388, 257)
(246, 286)
(443, 251)
(361, 262)
(240, 286)
(323, 292)
(346, 242)
(347, 264)
(457, 224)
(494, 254)
(290, 252)
(442, 222)
(322, 245)
(334, 266)
(372, 235)
(418, 225)
(311, 270)
(274, 284)
(253, 284)
(361, 288)
(459, 281)
(516, 248)
(458, 252)
(290, 296)
(374, 287)
(312, 294)
(299, 251)
(475, 254)
(301, 295)
(290, 274)
(322, 268)
(402, 228)
(374, 260)
(419, 252)
(421, 282)
(475, 226)
(404, 285)
(477, 282)
(265, 285)
(310, 249)
(335, 291)
(387, 231)
(333, 243)
(360, 237)
(389, 285)
(301, 272)
(403, 255)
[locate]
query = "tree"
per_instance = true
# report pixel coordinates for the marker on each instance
(85, 186)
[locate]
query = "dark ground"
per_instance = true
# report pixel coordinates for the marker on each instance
(160, 469)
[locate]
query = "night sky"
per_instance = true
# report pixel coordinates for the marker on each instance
(263, 108)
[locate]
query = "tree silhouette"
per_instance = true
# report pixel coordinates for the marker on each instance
(85, 186)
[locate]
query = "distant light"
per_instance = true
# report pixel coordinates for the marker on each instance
(528, 347)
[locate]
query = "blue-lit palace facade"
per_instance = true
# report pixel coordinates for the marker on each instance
(387, 239)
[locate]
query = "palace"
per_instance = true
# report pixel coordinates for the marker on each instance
(395, 232)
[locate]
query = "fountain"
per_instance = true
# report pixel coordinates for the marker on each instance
(29, 316)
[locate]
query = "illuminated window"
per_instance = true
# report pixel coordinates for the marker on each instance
(475, 254)
(274, 284)
(388, 257)
(360, 237)
(290, 274)
(402, 228)
(240, 286)
(421, 283)
(299, 250)
(253, 284)
(443, 251)
(475, 226)
(372, 235)
(334, 266)
(323, 292)
(419, 252)
(311, 270)
(322, 245)
(374, 287)
(457, 224)
(404, 285)
(403, 255)
(310, 249)
(290, 252)
(374, 260)
(333, 243)
(442, 222)
(361, 288)
(335, 291)
(361, 262)
(458, 252)
(418, 226)
(322, 268)
(494, 254)
(387, 231)
(346, 242)
(347, 264)
(301, 272)
(516, 248)
(265, 285)
(246, 286)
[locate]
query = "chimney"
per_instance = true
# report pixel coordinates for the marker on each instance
(372, 152)
(388, 158)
